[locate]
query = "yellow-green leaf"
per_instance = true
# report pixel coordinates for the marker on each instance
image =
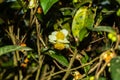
(84, 18)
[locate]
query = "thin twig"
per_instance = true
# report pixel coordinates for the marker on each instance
(44, 72)
(70, 65)
(16, 57)
(99, 65)
(93, 69)
(32, 71)
(89, 63)
(49, 77)
(117, 43)
(97, 40)
(100, 71)
(58, 65)
(38, 50)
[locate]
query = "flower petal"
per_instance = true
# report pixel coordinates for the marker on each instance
(52, 38)
(63, 41)
(54, 33)
(65, 32)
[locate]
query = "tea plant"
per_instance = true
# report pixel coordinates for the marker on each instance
(59, 39)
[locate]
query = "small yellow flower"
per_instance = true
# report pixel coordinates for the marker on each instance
(59, 39)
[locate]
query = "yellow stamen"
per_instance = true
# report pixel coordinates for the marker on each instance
(60, 35)
(59, 46)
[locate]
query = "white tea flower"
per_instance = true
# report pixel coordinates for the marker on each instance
(59, 39)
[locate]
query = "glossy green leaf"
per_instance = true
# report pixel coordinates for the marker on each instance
(11, 48)
(104, 28)
(83, 20)
(115, 68)
(47, 4)
(59, 57)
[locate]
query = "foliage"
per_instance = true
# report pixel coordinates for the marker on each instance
(59, 39)
(114, 68)
(47, 4)
(83, 20)
(10, 48)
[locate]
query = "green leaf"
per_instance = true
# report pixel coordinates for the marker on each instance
(21, 2)
(118, 1)
(11, 48)
(47, 4)
(15, 5)
(83, 34)
(84, 18)
(84, 61)
(115, 68)
(40, 17)
(58, 57)
(78, 3)
(104, 28)
(118, 12)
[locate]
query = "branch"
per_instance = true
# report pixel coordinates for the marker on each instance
(70, 65)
